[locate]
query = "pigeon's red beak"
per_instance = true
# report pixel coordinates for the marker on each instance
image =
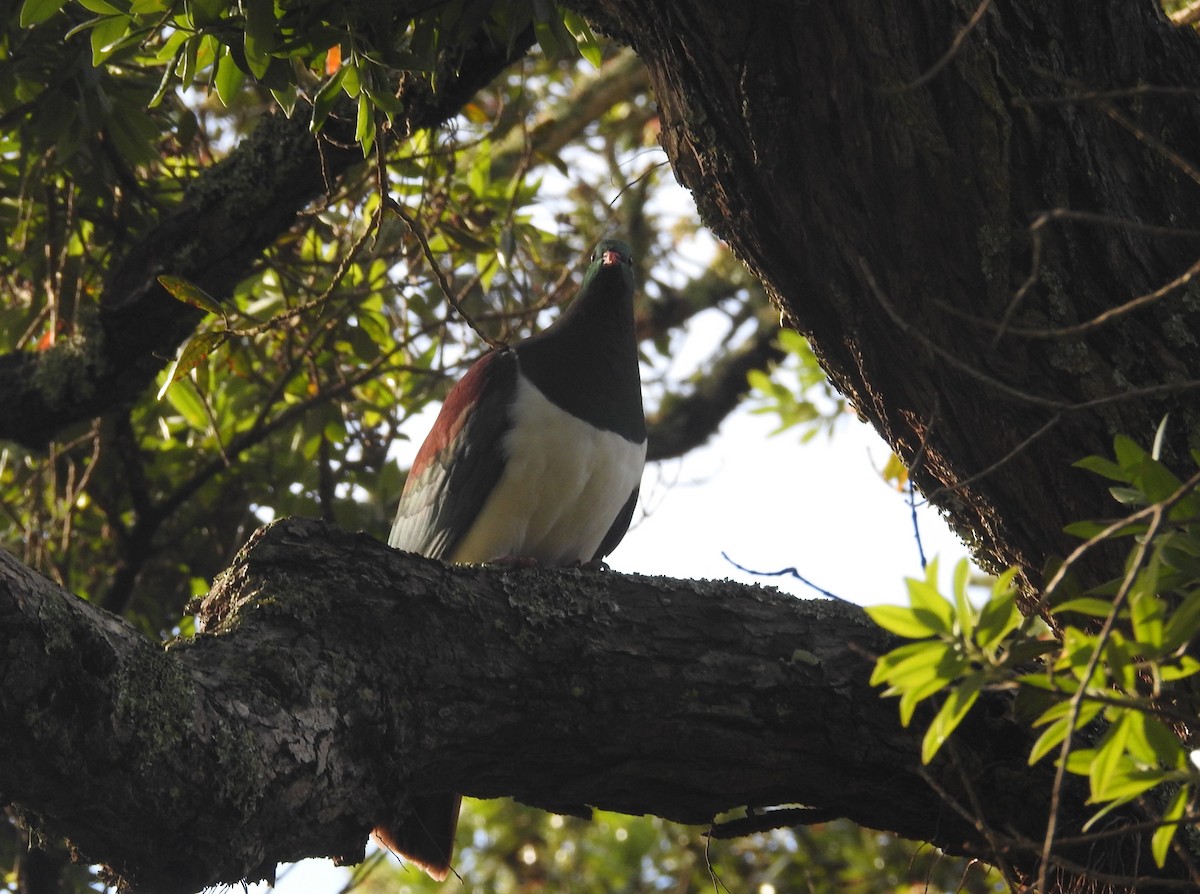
(611, 257)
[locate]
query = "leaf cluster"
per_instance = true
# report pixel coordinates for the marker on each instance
(517, 848)
(1111, 689)
(796, 390)
(318, 51)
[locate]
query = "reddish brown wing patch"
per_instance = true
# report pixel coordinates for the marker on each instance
(453, 416)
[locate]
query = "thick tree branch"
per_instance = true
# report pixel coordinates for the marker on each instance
(338, 676)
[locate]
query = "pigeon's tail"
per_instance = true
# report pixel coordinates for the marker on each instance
(426, 836)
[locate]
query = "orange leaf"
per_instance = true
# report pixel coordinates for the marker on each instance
(333, 59)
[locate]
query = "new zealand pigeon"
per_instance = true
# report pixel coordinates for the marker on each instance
(537, 454)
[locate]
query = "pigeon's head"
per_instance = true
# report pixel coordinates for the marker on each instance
(611, 269)
(611, 252)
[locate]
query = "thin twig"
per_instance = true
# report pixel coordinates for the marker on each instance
(1091, 96)
(1035, 268)
(1122, 831)
(994, 841)
(1113, 313)
(788, 571)
(1113, 528)
(1129, 124)
(913, 468)
(955, 45)
(438, 273)
(1125, 223)
(1015, 393)
(958, 364)
(1008, 457)
(1035, 230)
(1140, 883)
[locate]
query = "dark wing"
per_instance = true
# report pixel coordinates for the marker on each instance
(619, 526)
(460, 462)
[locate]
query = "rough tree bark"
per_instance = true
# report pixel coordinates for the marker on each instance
(879, 165)
(338, 676)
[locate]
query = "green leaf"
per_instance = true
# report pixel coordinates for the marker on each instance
(1122, 668)
(326, 97)
(1161, 842)
(1085, 530)
(1105, 467)
(1050, 739)
(1108, 758)
(999, 616)
(1152, 744)
(589, 47)
(228, 78)
(364, 128)
(260, 35)
(1129, 782)
(928, 604)
(962, 602)
(1157, 481)
(910, 698)
(888, 662)
(1129, 496)
(951, 714)
(194, 352)
(900, 620)
(1054, 734)
(1085, 605)
(190, 293)
(286, 99)
(102, 7)
(34, 12)
(1088, 711)
(1184, 623)
(1145, 607)
(919, 664)
(106, 37)
(1129, 453)
(189, 405)
(1185, 667)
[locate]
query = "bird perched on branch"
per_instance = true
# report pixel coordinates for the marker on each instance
(536, 456)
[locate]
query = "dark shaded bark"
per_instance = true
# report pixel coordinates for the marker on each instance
(338, 677)
(227, 219)
(884, 195)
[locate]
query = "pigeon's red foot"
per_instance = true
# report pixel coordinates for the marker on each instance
(517, 561)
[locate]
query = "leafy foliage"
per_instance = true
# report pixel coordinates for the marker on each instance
(796, 390)
(958, 648)
(1104, 691)
(519, 848)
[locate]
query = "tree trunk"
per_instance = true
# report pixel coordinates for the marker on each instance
(338, 677)
(885, 168)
